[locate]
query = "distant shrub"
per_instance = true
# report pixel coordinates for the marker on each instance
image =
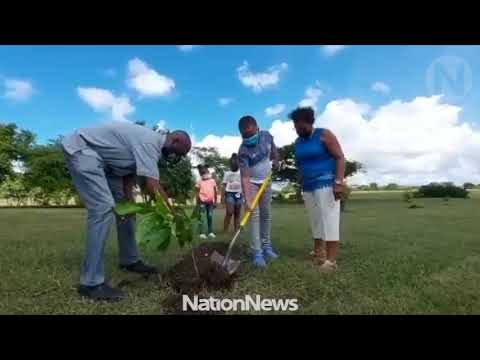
(446, 190)
(468, 185)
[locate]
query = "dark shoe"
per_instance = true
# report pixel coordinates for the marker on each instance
(140, 268)
(101, 292)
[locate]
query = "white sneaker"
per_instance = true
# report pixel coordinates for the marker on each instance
(203, 236)
(328, 266)
(212, 236)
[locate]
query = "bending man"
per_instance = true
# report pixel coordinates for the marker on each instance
(105, 163)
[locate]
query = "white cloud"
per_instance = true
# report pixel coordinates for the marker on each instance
(186, 48)
(147, 81)
(18, 167)
(225, 101)
(18, 90)
(381, 87)
(283, 132)
(105, 101)
(275, 109)
(226, 145)
(160, 125)
(331, 50)
(407, 142)
(261, 80)
(312, 95)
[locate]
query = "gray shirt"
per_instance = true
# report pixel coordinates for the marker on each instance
(125, 148)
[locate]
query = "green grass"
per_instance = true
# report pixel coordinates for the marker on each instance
(393, 260)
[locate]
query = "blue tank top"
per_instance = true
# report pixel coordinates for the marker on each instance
(316, 163)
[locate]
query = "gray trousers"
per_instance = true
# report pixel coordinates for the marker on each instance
(99, 192)
(261, 220)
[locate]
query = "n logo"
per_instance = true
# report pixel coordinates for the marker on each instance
(449, 76)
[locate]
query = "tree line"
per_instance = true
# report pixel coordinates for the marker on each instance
(38, 172)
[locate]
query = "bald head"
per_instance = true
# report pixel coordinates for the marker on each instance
(178, 143)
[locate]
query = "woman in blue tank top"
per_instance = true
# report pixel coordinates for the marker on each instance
(321, 165)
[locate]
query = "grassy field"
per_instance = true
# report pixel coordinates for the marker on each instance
(393, 260)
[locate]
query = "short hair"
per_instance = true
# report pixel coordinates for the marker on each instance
(184, 135)
(202, 169)
(246, 121)
(303, 114)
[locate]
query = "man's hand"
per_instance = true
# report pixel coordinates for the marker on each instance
(153, 187)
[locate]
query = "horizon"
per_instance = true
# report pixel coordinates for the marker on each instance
(408, 113)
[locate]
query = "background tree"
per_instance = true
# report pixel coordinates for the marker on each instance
(374, 186)
(443, 190)
(468, 185)
(212, 158)
(353, 167)
(47, 174)
(288, 170)
(177, 179)
(392, 186)
(14, 144)
(14, 187)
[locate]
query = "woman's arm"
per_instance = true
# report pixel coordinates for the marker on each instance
(275, 156)
(334, 148)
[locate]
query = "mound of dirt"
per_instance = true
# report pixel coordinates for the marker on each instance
(183, 278)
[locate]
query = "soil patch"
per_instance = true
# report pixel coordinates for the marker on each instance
(183, 278)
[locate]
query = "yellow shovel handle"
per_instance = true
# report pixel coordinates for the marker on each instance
(257, 198)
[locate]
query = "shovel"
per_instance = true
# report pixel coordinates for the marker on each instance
(230, 266)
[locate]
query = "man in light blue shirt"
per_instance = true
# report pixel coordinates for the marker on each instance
(105, 163)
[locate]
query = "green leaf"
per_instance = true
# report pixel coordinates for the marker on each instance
(127, 208)
(161, 206)
(164, 245)
(153, 233)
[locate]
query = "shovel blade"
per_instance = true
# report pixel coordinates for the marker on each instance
(230, 266)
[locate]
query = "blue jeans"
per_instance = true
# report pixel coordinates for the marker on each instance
(236, 199)
(261, 220)
(207, 209)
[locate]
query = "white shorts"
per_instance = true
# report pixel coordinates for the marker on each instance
(324, 213)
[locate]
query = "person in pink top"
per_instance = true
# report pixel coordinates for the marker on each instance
(207, 198)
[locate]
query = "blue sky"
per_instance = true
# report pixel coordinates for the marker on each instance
(40, 85)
